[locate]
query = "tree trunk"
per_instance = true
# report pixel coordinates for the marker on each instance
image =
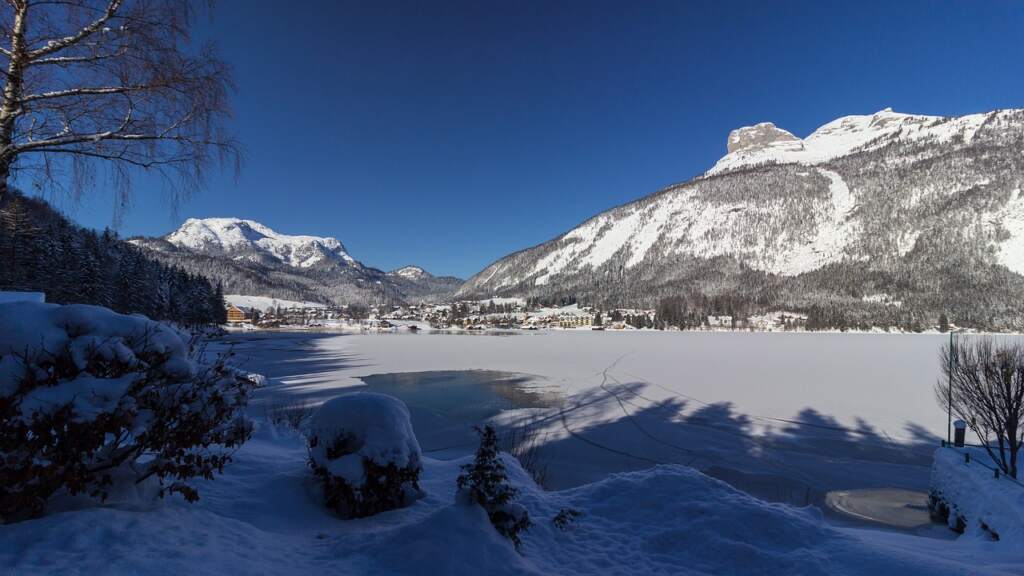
(10, 106)
(5, 173)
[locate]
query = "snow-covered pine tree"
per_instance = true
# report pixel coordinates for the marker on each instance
(217, 305)
(484, 482)
(16, 241)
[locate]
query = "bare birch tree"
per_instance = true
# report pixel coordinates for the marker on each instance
(985, 381)
(92, 84)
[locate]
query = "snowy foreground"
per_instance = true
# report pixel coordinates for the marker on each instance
(264, 517)
(639, 424)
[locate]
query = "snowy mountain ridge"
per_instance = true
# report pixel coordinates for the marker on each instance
(411, 272)
(843, 136)
(882, 197)
(225, 235)
(251, 259)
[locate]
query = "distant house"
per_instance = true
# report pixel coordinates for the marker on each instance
(238, 314)
(575, 320)
(720, 321)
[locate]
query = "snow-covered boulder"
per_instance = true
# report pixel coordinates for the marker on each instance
(89, 396)
(363, 449)
(967, 494)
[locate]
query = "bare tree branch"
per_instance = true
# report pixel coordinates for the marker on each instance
(62, 43)
(985, 388)
(109, 83)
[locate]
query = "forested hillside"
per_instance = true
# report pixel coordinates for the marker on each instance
(42, 251)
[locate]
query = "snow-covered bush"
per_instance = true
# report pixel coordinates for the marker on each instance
(484, 482)
(363, 450)
(88, 395)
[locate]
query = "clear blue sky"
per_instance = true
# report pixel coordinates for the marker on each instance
(448, 134)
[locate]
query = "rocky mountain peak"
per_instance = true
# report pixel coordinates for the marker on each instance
(760, 136)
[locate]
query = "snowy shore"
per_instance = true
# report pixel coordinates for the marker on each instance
(647, 427)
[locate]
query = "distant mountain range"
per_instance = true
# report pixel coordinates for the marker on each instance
(876, 220)
(250, 258)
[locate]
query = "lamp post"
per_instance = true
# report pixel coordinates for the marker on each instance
(949, 392)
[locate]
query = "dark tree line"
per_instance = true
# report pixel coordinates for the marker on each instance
(42, 251)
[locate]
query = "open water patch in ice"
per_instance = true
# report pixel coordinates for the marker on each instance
(446, 404)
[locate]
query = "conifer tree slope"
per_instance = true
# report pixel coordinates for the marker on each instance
(42, 251)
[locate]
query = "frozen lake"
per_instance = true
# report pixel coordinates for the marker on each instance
(787, 417)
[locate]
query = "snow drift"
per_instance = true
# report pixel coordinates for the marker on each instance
(262, 517)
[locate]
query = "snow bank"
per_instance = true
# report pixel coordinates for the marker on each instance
(6, 297)
(260, 518)
(986, 504)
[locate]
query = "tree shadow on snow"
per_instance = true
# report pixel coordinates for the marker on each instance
(797, 460)
(298, 370)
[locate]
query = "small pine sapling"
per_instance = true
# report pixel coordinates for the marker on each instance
(485, 482)
(565, 518)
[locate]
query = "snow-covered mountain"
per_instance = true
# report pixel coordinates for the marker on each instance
(410, 272)
(247, 237)
(252, 259)
(420, 285)
(888, 203)
(765, 143)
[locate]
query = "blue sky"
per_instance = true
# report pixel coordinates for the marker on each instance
(448, 134)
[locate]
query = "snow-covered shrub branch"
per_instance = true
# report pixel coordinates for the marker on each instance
(88, 395)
